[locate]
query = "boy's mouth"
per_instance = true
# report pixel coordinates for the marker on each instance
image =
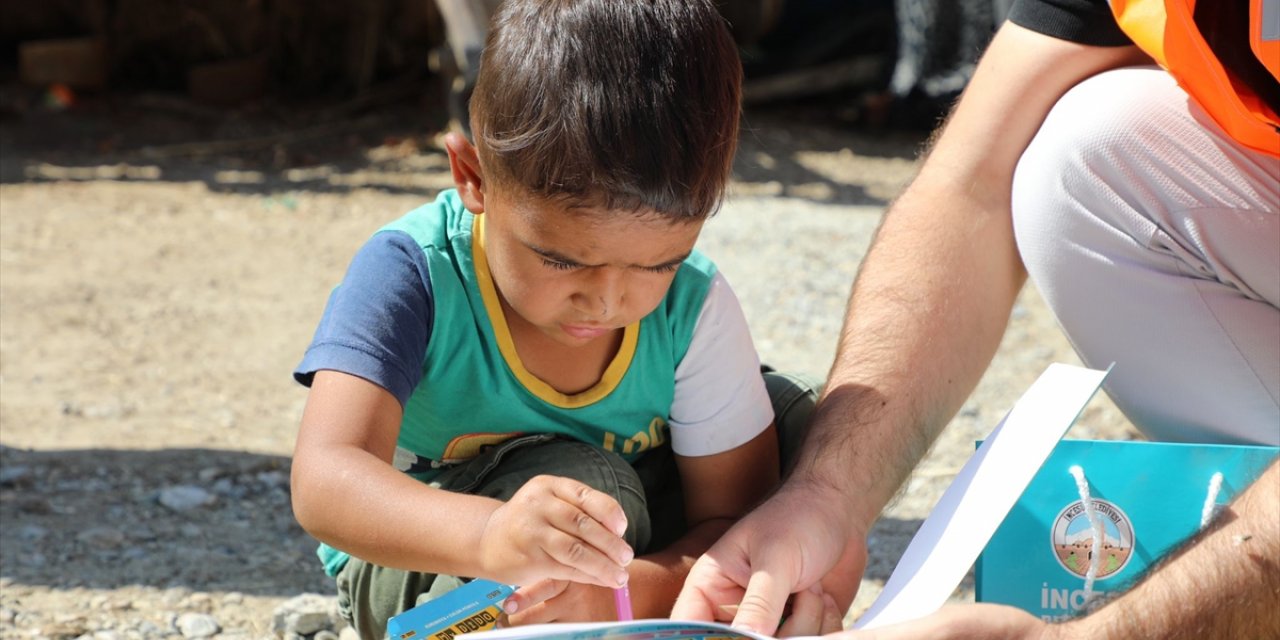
(584, 331)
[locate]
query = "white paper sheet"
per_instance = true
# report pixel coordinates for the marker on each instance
(972, 508)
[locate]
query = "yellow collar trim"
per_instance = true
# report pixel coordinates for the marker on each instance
(506, 345)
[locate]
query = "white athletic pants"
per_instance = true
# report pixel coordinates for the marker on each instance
(1155, 239)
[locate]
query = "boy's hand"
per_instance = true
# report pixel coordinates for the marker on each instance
(556, 528)
(559, 601)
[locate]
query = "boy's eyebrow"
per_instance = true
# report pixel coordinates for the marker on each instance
(556, 257)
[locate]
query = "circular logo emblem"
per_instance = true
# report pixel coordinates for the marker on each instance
(1073, 539)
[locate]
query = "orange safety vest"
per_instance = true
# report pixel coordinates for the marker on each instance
(1166, 31)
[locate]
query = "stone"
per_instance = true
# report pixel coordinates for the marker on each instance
(304, 615)
(13, 474)
(197, 625)
(185, 497)
(102, 537)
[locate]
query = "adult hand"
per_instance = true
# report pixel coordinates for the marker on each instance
(813, 613)
(559, 601)
(556, 528)
(784, 546)
(960, 622)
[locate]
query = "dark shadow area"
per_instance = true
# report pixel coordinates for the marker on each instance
(203, 519)
(814, 149)
(386, 141)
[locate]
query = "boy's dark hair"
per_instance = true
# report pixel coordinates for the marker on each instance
(625, 104)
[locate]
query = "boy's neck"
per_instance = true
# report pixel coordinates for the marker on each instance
(569, 370)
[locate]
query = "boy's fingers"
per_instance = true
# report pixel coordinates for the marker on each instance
(581, 518)
(584, 562)
(596, 504)
(526, 597)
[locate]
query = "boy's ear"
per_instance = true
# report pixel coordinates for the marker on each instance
(464, 162)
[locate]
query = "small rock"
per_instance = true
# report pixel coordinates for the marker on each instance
(149, 629)
(304, 615)
(13, 474)
(35, 505)
(197, 625)
(107, 411)
(185, 497)
(102, 537)
(225, 418)
(274, 479)
(63, 629)
(32, 533)
(173, 595)
(223, 486)
(325, 634)
(7, 616)
(349, 633)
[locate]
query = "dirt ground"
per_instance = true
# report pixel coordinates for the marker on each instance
(162, 268)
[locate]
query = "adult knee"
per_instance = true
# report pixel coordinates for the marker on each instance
(1071, 186)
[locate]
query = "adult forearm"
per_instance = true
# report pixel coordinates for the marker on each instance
(935, 290)
(923, 322)
(1225, 583)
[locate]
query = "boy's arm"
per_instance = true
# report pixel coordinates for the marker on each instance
(347, 494)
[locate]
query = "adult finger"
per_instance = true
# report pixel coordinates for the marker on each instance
(762, 605)
(709, 592)
(813, 613)
(806, 618)
(832, 616)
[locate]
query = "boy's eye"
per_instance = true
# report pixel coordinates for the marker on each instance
(666, 268)
(556, 264)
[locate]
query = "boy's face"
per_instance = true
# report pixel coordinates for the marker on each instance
(577, 274)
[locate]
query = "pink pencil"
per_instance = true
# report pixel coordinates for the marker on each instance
(622, 602)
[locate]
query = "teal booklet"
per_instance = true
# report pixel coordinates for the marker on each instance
(1100, 513)
(475, 606)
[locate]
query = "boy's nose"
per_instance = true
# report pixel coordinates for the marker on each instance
(603, 297)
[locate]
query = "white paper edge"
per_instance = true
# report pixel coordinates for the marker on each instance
(983, 492)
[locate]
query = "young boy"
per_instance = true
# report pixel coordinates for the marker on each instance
(535, 379)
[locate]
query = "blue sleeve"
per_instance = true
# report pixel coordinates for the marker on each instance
(378, 320)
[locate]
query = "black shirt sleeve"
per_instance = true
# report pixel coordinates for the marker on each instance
(1088, 22)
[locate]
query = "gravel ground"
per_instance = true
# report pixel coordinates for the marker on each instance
(155, 297)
